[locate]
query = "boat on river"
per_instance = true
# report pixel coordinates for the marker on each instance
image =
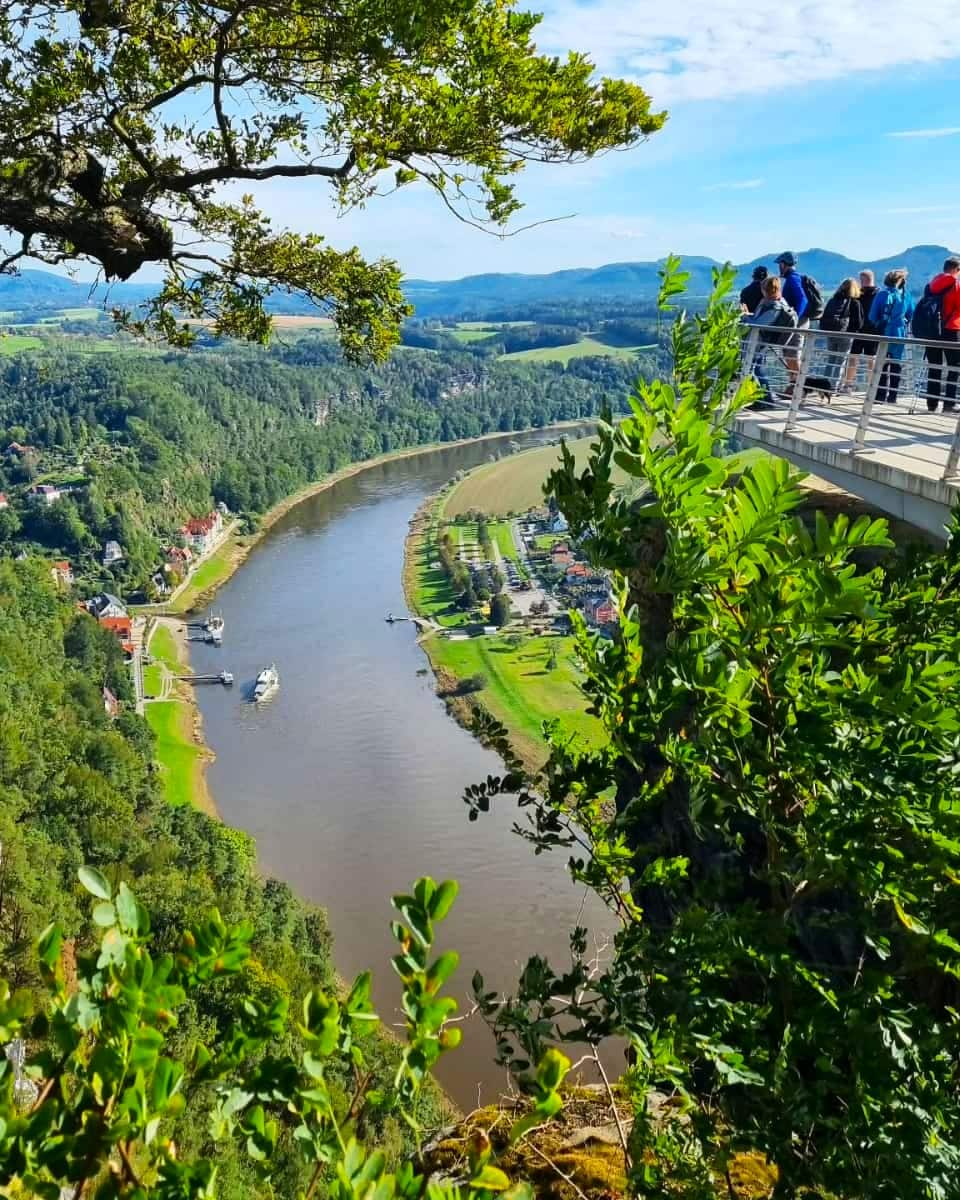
(268, 682)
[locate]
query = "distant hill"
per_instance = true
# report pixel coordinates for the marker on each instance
(477, 295)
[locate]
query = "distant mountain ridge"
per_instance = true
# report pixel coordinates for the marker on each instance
(478, 295)
(640, 281)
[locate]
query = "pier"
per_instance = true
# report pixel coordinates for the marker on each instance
(224, 677)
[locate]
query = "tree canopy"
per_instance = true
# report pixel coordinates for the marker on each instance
(129, 131)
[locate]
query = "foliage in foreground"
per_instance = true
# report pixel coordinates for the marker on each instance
(128, 131)
(783, 854)
(107, 1084)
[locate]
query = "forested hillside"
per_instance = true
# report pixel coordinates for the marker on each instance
(144, 440)
(76, 787)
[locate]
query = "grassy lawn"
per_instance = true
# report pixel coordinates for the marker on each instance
(586, 348)
(153, 680)
(432, 595)
(514, 484)
(501, 535)
(520, 691)
(544, 541)
(163, 648)
(178, 755)
(13, 343)
(208, 575)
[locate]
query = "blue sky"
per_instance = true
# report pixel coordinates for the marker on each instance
(781, 116)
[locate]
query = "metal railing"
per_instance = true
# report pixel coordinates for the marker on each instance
(799, 367)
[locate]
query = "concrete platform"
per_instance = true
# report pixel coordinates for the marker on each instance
(900, 470)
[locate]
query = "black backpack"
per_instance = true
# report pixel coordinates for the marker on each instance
(814, 295)
(836, 316)
(927, 320)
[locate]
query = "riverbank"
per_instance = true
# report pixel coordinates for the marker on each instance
(174, 717)
(526, 679)
(179, 729)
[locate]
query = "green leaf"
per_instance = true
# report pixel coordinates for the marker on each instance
(443, 900)
(909, 922)
(105, 914)
(95, 883)
(490, 1179)
(127, 910)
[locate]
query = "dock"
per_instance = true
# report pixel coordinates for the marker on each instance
(224, 677)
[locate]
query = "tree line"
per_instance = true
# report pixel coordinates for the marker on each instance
(147, 440)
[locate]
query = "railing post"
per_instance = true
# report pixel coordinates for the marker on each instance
(953, 458)
(806, 361)
(873, 383)
(749, 352)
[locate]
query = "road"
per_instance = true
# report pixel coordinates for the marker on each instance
(137, 631)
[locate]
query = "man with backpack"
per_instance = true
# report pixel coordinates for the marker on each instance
(937, 319)
(803, 295)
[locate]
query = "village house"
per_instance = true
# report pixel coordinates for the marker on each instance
(201, 532)
(598, 610)
(16, 450)
(44, 493)
(62, 573)
(105, 604)
(576, 575)
(111, 704)
(112, 553)
(178, 558)
(122, 630)
(4, 502)
(558, 523)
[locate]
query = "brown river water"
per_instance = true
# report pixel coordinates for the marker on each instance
(350, 779)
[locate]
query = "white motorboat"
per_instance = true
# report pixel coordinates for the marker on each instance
(268, 681)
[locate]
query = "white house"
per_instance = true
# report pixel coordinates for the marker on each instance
(112, 553)
(44, 493)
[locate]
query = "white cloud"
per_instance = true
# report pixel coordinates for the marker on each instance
(688, 50)
(736, 185)
(949, 131)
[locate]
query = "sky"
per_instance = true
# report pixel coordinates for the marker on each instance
(793, 123)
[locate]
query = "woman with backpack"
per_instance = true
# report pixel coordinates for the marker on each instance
(890, 315)
(842, 314)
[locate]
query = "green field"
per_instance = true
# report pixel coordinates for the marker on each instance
(212, 572)
(470, 335)
(514, 484)
(177, 753)
(13, 343)
(521, 692)
(587, 348)
(432, 595)
(501, 535)
(152, 680)
(487, 324)
(163, 648)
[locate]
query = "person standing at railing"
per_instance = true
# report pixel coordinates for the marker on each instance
(938, 319)
(772, 311)
(752, 295)
(860, 346)
(795, 295)
(890, 315)
(842, 314)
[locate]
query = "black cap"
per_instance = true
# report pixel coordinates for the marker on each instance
(760, 273)
(787, 259)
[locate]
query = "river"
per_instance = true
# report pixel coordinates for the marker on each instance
(350, 779)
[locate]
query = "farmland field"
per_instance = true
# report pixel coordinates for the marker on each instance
(587, 348)
(513, 484)
(13, 343)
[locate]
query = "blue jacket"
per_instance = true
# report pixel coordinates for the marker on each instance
(794, 294)
(890, 313)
